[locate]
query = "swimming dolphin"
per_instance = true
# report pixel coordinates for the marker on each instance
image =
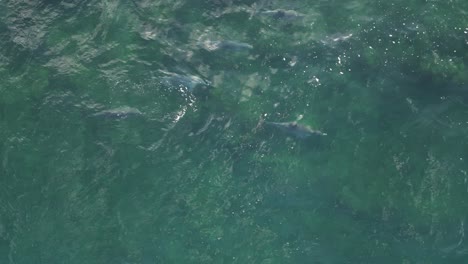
(119, 112)
(282, 14)
(225, 45)
(295, 129)
(188, 82)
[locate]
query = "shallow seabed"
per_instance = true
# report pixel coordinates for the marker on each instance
(133, 131)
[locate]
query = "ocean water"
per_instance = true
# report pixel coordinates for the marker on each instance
(136, 131)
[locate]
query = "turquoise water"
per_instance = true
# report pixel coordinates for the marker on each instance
(106, 159)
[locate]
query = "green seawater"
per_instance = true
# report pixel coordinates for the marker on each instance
(103, 161)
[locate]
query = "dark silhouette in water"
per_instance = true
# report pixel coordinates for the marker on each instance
(282, 14)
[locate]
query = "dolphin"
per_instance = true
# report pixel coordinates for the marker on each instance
(226, 45)
(282, 14)
(295, 129)
(119, 112)
(188, 82)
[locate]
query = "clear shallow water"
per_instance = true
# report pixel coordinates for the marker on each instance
(194, 178)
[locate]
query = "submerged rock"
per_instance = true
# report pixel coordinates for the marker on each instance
(295, 129)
